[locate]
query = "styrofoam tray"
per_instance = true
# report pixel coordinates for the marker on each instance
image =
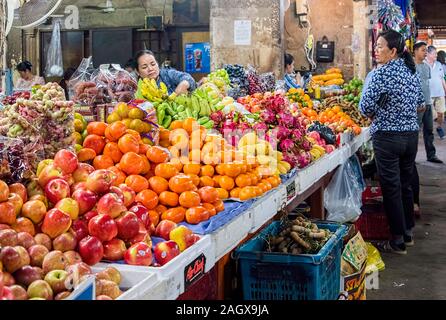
(229, 236)
(138, 283)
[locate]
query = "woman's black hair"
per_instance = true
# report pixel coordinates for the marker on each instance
(130, 64)
(24, 65)
(396, 40)
(288, 59)
(139, 54)
(441, 57)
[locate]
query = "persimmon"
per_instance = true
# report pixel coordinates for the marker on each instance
(190, 125)
(192, 168)
(195, 179)
(137, 183)
(232, 169)
(157, 154)
(111, 149)
(143, 148)
(189, 199)
(94, 142)
(160, 209)
(208, 194)
(154, 217)
(102, 162)
(216, 181)
(177, 163)
(86, 154)
(197, 214)
(210, 208)
(166, 170)
(219, 168)
(147, 198)
(128, 143)
(131, 163)
(97, 128)
(174, 214)
(168, 198)
(181, 183)
(135, 134)
(235, 193)
(206, 181)
(176, 124)
(219, 205)
(247, 193)
(207, 170)
(146, 165)
(158, 184)
(222, 193)
(227, 183)
(115, 131)
(120, 176)
(243, 180)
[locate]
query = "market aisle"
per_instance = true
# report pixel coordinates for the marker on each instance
(422, 273)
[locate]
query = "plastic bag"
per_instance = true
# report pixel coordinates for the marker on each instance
(343, 196)
(325, 132)
(54, 62)
(374, 260)
(16, 159)
(80, 89)
(114, 83)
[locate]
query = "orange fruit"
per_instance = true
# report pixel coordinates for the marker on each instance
(258, 191)
(102, 162)
(227, 183)
(232, 169)
(195, 179)
(222, 193)
(174, 214)
(154, 217)
(190, 124)
(157, 154)
(243, 180)
(267, 184)
(219, 168)
(216, 180)
(263, 186)
(158, 184)
(146, 165)
(207, 170)
(181, 183)
(147, 198)
(177, 163)
(189, 199)
(97, 128)
(86, 154)
(179, 138)
(111, 149)
(235, 192)
(166, 170)
(176, 124)
(131, 163)
(143, 148)
(95, 142)
(254, 178)
(160, 209)
(128, 143)
(206, 181)
(168, 198)
(174, 152)
(210, 207)
(219, 205)
(115, 131)
(137, 183)
(208, 194)
(247, 193)
(274, 181)
(197, 214)
(192, 168)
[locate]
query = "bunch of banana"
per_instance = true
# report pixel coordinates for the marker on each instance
(316, 152)
(151, 92)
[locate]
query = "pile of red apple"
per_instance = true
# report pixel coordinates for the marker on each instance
(82, 209)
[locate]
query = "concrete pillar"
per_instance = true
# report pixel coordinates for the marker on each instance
(360, 42)
(265, 52)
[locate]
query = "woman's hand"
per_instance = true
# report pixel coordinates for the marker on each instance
(183, 87)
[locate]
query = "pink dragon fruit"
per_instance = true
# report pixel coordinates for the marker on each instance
(217, 117)
(260, 127)
(283, 133)
(268, 116)
(286, 119)
(297, 134)
(244, 126)
(306, 145)
(303, 159)
(286, 145)
(291, 159)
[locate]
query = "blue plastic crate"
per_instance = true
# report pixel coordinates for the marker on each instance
(279, 276)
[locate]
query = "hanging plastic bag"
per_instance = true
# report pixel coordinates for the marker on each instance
(342, 197)
(80, 87)
(54, 62)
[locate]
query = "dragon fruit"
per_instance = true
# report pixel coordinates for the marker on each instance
(291, 158)
(297, 134)
(260, 127)
(306, 145)
(286, 145)
(286, 119)
(244, 126)
(217, 117)
(283, 132)
(268, 116)
(303, 159)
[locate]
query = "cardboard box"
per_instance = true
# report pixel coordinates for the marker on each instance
(355, 285)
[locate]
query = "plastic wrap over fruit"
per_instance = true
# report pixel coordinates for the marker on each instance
(115, 83)
(16, 159)
(149, 118)
(80, 89)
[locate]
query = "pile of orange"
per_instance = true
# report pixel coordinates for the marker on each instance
(343, 120)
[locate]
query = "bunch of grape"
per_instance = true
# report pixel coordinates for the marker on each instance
(255, 85)
(15, 160)
(268, 82)
(238, 79)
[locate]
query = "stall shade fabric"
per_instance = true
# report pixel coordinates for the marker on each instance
(404, 4)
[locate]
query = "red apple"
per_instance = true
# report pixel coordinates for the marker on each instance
(129, 194)
(44, 240)
(78, 186)
(8, 279)
(191, 239)
(4, 226)
(163, 229)
(56, 190)
(49, 173)
(89, 215)
(91, 250)
(25, 240)
(82, 172)
(86, 200)
(7, 213)
(65, 242)
(8, 237)
(19, 189)
(100, 181)
(55, 260)
(7, 294)
(33, 188)
(78, 270)
(128, 225)
(27, 275)
(34, 210)
(37, 253)
(11, 259)
(69, 206)
(139, 254)
(166, 251)
(103, 227)
(142, 236)
(110, 204)
(79, 228)
(118, 192)
(55, 223)
(18, 292)
(72, 257)
(24, 256)
(114, 250)
(16, 201)
(62, 295)
(141, 212)
(66, 160)
(23, 224)
(69, 179)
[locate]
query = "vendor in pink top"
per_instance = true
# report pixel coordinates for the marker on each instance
(27, 78)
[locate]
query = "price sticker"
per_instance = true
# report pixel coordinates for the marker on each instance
(291, 191)
(194, 271)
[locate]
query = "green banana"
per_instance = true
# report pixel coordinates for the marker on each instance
(167, 121)
(195, 114)
(209, 124)
(203, 120)
(170, 110)
(189, 113)
(160, 115)
(181, 108)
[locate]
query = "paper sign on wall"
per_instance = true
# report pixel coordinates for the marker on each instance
(242, 32)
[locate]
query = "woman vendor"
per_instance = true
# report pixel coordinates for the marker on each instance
(27, 78)
(176, 81)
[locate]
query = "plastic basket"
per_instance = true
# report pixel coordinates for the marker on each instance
(373, 223)
(204, 289)
(276, 276)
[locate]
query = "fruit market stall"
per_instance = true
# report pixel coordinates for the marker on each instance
(151, 201)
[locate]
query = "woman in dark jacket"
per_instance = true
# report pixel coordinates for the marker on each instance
(392, 99)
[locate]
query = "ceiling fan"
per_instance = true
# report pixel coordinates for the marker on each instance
(106, 8)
